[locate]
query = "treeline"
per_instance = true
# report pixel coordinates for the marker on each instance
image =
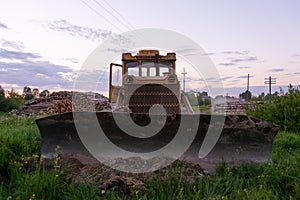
(198, 98)
(12, 101)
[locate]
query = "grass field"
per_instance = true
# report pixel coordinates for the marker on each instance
(20, 143)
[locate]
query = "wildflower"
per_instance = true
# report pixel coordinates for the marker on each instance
(181, 189)
(32, 197)
(56, 160)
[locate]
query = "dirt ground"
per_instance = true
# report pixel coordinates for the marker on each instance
(106, 178)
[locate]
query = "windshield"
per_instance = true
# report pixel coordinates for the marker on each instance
(149, 69)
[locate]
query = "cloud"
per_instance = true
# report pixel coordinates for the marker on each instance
(236, 52)
(188, 51)
(276, 70)
(246, 59)
(208, 54)
(72, 60)
(89, 79)
(17, 55)
(226, 78)
(234, 80)
(226, 64)
(295, 55)
(120, 50)
(242, 77)
(80, 31)
(32, 72)
(3, 25)
(244, 67)
(213, 79)
(12, 44)
(38, 74)
(44, 74)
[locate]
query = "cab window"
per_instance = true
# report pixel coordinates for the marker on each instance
(132, 68)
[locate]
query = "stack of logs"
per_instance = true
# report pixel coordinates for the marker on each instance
(66, 101)
(60, 106)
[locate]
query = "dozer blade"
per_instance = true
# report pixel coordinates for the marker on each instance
(242, 140)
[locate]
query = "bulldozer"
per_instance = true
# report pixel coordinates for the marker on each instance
(150, 87)
(149, 78)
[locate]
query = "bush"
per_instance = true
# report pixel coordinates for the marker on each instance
(284, 110)
(13, 101)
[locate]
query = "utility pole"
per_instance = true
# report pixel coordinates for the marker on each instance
(270, 81)
(184, 73)
(248, 83)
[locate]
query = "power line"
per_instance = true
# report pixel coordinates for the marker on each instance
(95, 11)
(125, 25)
(123, 18)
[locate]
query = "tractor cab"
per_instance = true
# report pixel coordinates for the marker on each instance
(147, 78)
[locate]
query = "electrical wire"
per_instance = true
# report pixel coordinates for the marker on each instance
(95, 11)
(109, 12)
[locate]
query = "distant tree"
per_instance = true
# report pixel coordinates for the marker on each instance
(274, 95)
(262, 96)
(29, 96)
(27, 93)
(255, 98)
(203, 98)
(246, 95)
(13, 101)
(35, 93)
(219, 99)
(26, 89)
(2, 93)
(44, 93)
(3, 106)
(192, 98)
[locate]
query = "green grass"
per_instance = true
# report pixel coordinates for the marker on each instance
(201, 108)
(19, 138)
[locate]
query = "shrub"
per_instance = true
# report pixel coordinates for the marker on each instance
(284, 110)
(13, 101)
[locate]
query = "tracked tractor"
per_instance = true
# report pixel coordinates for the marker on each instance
(148, 78)
(149, 87)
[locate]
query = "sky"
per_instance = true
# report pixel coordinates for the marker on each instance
(44, 44)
